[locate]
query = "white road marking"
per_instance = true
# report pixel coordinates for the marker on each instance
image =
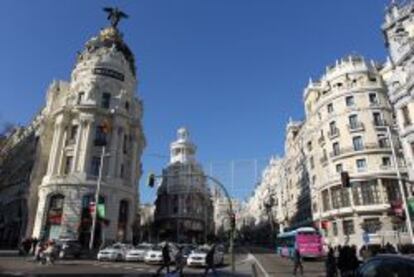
(251, 256)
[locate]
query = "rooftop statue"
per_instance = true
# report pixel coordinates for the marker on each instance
(114, 15)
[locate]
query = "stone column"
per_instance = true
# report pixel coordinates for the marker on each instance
(133, 168)
(57, 147)
(75, 166)
(61, 151)
(40, 214)
(113, 150)
(381, 191)
(87, 145)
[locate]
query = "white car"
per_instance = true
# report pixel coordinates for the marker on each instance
(137, 254)
(154, 255)
(198, 257)
(116, 252)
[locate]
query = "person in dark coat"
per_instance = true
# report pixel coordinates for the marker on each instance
(297, 262)
(34, 244)
(331, 264)
(165, 259)
(210, 261)
(179, 261)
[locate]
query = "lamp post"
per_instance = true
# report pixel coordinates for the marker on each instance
(99, 141)
(151, 183)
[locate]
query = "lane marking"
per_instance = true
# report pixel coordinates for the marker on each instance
(259, 264)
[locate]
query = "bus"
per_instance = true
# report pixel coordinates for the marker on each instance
(306, 239)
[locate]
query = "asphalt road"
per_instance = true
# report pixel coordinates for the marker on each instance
(23, 266)
(270, 264)
(248, 260)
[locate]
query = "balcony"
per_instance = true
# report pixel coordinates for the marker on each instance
(356, 127)
(333, 133)
(365, 147)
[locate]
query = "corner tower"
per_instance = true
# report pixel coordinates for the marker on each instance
(102, 89)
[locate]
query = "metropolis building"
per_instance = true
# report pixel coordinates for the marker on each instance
(101, 89)
(183, 208)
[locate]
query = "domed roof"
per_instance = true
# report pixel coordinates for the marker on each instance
(110, 37)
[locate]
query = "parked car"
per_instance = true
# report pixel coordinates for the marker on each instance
(198, 257)
(387, 265)
(115, 252)
(137, 254)
(69, 248)
(154, 255)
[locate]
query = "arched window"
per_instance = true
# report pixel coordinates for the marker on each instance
(54, 216)
(122, 220)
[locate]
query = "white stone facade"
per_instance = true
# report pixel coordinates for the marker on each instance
(398, 29)
(184, 210)
(101, 91)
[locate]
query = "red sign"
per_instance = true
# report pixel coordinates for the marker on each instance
(397, 207)
(55, 219)
(91, 208)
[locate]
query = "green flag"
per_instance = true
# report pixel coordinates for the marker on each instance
(101, 211)
(410, 204)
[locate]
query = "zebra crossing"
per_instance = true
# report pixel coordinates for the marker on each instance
(125, 266)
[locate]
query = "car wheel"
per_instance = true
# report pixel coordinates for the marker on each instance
(119, 258)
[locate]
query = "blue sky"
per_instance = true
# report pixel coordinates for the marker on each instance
(232, 71)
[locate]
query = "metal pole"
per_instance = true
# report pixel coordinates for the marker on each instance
(402, 189)
(97, 192)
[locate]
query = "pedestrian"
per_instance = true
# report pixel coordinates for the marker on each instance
(166, 260)
(297, 262)
(341, 259)
(331, 264)
(210, 261)
(179, 261)
(38, 251)
(49, 252)
(35, 241)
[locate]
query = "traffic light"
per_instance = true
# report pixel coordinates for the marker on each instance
(233, 220)
(151, 180)
(345, 180)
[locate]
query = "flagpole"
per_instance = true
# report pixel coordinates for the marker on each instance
(97, 192)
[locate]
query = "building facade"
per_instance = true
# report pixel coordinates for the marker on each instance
(349, 116)
(184, 210)
(101, 93)
(398, 30)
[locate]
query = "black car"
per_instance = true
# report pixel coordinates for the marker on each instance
(69, 248)
(387, 266)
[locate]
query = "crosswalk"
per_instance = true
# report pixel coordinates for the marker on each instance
(124, 266)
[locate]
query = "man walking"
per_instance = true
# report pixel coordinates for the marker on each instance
(165, 259)
(210, 261)
(297, 262)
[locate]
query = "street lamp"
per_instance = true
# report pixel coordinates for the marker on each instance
(151, 182)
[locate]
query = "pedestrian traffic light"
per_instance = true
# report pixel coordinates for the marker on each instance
(151, 180)
(345, 179)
